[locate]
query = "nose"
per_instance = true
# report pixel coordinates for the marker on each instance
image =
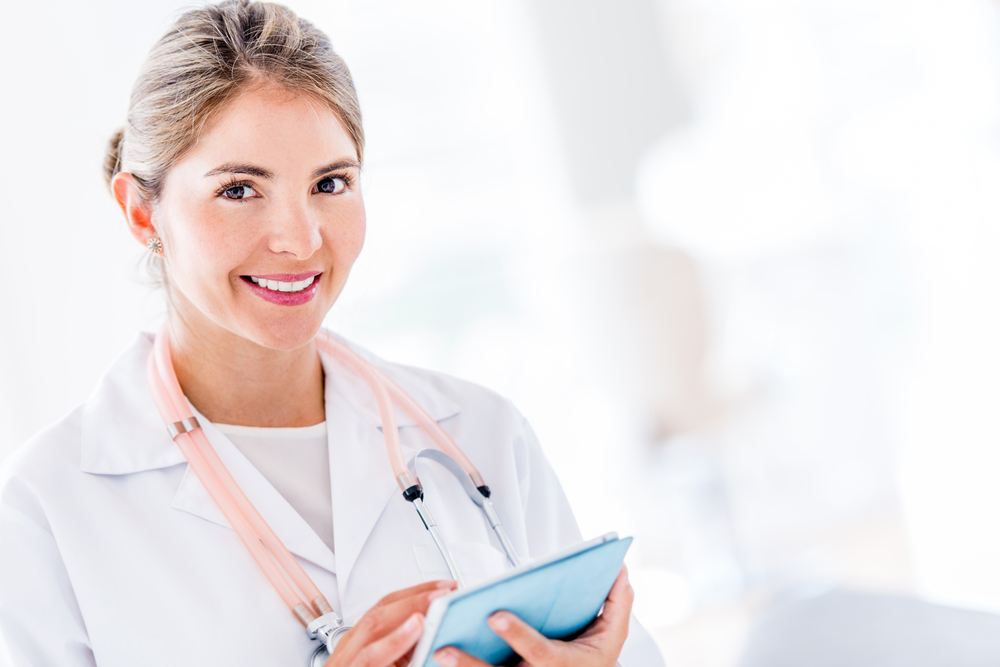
(295, 232)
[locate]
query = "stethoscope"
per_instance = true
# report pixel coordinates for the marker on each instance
(277, 563)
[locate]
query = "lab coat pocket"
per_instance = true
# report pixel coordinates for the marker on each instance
(476, 562)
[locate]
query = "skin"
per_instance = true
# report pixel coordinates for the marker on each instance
(227, 343)
(241, 359)
(598, 646)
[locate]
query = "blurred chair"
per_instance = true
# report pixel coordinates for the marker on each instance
(841, 629)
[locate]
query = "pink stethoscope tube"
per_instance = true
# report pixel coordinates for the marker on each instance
(386, 390)
(248, 524)
(235, 506)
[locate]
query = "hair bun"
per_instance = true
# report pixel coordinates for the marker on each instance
(113, 157)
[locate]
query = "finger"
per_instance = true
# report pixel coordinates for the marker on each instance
(527, 642)
(390, 648)
(618, 606)
(450, 656)
(448, 584)
(379, 621)
(610, 629)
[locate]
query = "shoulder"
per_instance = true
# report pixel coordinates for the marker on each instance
(474, 401)
(42, 465)
(480, 414)
(52, 449)
(444, 397)
(483, 422)
(502, 445)
(117, 430)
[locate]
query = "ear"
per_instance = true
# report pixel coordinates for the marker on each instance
(137, 212)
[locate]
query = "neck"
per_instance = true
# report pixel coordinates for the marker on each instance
(232, 380)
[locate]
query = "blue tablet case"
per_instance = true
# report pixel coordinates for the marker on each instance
(558, 599)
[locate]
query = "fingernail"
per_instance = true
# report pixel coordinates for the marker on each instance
(499, 621)
(434, 595)
(411, 625)
(446, 657)
(447, 583)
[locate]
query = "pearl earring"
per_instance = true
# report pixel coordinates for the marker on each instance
(155, 245)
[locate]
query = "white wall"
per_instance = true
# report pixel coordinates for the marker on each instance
(789, 314)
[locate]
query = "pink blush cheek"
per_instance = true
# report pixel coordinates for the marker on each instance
(350, 240)
(205, 268)
(218, 245)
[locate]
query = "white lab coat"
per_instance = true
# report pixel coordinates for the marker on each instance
(112, 553)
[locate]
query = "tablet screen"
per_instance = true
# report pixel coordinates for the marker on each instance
(559, 598)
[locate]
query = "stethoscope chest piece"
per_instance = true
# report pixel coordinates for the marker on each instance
(327, 629)
(319, 656)
(307, 603)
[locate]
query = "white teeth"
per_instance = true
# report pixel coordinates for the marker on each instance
(277, 286)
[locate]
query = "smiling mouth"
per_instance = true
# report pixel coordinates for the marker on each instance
(279, 286)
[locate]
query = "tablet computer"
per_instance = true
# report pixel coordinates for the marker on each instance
(558, 595)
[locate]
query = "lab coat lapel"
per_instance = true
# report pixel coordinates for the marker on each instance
(294, 532)
(361, 482)
(123, 433)
(121, 430)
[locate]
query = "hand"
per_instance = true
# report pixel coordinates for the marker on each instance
(387, 633)
(598, 646)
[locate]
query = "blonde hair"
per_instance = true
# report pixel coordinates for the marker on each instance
(210, 56)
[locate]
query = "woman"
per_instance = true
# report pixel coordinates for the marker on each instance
(238, 169)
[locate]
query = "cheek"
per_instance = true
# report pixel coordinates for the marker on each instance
(203, 247)
(360, 229)
(349, 237)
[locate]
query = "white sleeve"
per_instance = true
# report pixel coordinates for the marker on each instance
(550, 525)
(40, 620)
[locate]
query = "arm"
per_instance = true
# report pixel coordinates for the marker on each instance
(40, 620)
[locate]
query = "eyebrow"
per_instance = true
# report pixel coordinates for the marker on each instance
(334, 166)
(233, 168)
(260, 172)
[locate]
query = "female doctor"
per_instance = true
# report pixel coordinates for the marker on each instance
(238, 168)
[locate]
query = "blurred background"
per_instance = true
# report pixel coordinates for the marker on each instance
(735, 261)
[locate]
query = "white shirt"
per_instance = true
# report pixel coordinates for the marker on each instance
(296, 462)
(113, 554)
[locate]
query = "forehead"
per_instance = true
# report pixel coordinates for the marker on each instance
(281, 131)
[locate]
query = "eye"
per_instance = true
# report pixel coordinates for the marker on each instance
(332, 185)
(238, 191)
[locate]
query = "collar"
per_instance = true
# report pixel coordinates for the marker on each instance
(122, 431)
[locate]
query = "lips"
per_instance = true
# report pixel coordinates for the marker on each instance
(284, 289)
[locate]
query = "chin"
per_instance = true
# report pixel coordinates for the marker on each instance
(284, 334)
